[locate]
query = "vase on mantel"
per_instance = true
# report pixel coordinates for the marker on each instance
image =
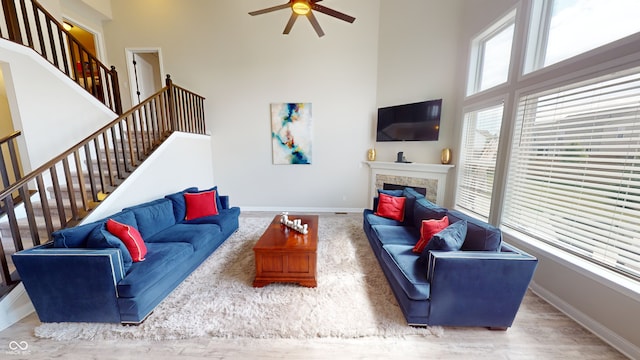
(371, 154)
(445, 156)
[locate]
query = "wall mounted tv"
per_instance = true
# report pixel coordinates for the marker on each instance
(409, 122)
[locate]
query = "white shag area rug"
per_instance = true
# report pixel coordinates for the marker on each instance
(352, 299)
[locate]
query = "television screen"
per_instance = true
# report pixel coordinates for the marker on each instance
(409, 122)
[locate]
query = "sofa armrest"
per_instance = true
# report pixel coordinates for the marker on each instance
(71, 284)
(478, 288)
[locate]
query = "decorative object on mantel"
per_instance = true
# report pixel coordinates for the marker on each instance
(294, 224)
(371, 154)
(445, 156)
(401, 158)
(291, 133)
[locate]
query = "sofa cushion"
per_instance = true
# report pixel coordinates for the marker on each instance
(200, 204)
(390, 234)
(199, 236)
(227, 219)
(406, 271)
(153, 216)
(481, 236)
(160, 261)
(391, 207)
(424, 209)
(179, 205)
(374, 219)
(130, 237)
(428, 229)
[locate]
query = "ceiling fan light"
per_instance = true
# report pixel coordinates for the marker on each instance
(301, 7)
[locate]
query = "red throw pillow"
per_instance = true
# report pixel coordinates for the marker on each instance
(428, 229)
(391, 207)
(131, 238)
(200, 204)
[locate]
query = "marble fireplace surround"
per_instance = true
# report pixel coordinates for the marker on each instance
(432, 177)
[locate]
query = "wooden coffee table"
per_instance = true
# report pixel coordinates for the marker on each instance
(285, 255)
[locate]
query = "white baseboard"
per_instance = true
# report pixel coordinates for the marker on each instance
(14, 307)
(293, 210)
(604, 333)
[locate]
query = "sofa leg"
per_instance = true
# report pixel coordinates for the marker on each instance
(498, 328)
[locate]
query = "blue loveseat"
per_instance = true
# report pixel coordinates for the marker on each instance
(482, 284)
(82, 276)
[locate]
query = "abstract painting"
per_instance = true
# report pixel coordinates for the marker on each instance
(291, 133)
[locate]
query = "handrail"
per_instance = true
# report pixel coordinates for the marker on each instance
(74, 182)
(33, 26)
(10, 170)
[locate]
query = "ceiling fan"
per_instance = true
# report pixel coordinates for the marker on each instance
(305, 8)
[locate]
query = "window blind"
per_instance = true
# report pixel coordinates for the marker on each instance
(478, 160)
(574, 172)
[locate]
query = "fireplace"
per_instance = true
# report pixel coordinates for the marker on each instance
(420, 190)
(430, 179)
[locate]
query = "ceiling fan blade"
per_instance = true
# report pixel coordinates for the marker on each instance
(267, 10)
(315, 24)
(331, 12)
(292, 20)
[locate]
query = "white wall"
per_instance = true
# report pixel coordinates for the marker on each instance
(165, 171)
(52, 111)
(417, 61)
(241, 64)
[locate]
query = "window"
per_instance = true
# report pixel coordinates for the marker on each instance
(564, 28)
(481, 136)
(574, 177)
(491, 56)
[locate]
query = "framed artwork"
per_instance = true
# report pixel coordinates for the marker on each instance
(291, 130)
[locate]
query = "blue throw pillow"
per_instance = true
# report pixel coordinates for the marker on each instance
(409, 206)
(179, 205)
(74, 237)
(390, 192)
(449, 239)
(101, 238)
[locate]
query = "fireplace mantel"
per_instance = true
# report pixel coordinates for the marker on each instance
(408, 174)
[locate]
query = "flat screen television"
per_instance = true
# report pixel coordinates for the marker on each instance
(409, 122)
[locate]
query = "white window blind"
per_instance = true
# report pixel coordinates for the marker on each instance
(574, 175)
(478, 160)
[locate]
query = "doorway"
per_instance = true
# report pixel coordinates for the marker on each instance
(145, 73)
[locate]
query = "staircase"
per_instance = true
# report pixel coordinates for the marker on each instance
(27, 23)
(66, 189)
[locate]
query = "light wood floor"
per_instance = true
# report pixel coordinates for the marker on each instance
(540, 332)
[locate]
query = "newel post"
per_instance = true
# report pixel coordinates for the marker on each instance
(172, 104)
(117, 101)
(11, 17)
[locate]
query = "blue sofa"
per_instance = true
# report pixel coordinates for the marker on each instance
(78, 277)
(482, 284)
